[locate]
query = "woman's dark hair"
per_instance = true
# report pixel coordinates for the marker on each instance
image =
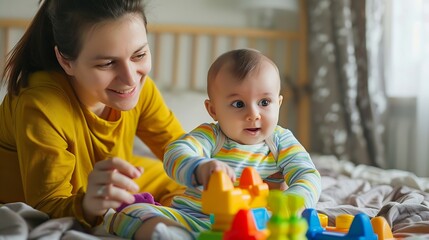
(60, 23)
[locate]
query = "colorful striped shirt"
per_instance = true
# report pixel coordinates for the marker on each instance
(184, 155)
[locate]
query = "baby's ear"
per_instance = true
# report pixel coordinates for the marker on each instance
(280, 100)
(210, 108)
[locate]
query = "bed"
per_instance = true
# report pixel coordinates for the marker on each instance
(186, 51)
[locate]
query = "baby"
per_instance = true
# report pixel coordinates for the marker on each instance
(244, 99)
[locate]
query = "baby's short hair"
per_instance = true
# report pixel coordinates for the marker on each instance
(239, 62)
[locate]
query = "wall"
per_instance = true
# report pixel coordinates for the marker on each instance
(196, 12)
(203, 12)
(18, 8)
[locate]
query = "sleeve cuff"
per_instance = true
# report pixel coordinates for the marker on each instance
(78, 212)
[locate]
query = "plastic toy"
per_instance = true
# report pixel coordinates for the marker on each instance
(224, 201)
(382, 228)
(244, 228)
(344, 221)
(286, 221)
(144, 197)
(360, 229)
(240, 213)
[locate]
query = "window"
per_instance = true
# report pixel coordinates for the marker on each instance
(407, 46)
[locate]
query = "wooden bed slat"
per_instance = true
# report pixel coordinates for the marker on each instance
(176, 58)
(194, 65)
(226, 31)
(157, 52)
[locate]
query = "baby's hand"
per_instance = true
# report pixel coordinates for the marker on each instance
(205, 170)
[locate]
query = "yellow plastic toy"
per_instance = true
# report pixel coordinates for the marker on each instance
(224, 201)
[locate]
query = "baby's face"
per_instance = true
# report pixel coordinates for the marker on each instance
(247, 110)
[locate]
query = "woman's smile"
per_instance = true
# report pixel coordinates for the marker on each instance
(124, 93)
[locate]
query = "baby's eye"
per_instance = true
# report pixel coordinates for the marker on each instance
(264, 102)
(238, 104)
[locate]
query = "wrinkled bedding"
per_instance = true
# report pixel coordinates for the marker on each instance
(400, 197)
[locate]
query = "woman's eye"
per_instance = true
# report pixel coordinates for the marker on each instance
(264, 102)
(140, 56)
(105, 65)
(238, 104)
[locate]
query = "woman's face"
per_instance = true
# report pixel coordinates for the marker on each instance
(112, 65)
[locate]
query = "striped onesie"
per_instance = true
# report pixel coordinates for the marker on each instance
(201, 145)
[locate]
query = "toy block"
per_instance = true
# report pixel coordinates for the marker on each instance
(298, 229)
(342, 223)
(278, 225)
(278, 231)
(360, 229)
(261, 217)
(323, 219)
(313, 222)
(294, 204)
(277, 205)
(223, 200)
(297, 225)
(361, 225)
(286, 222)
(210, 235)
(244, 228)
(251, 181)
(382, 228)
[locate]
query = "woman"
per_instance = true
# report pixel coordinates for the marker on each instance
(78, 94)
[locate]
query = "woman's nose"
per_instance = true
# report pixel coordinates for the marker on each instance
(128, 74)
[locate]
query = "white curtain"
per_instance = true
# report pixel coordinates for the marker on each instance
(423, 95)
(409, 69)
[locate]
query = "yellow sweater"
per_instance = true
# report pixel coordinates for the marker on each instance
(49, 142)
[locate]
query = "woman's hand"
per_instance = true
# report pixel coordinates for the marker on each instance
(109, 185)
(205, 170)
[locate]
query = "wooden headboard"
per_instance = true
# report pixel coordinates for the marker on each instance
(182, 55)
